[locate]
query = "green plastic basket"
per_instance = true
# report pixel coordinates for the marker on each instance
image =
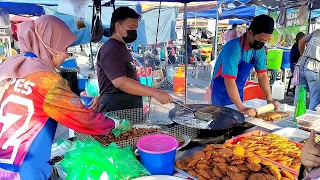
(274, 58)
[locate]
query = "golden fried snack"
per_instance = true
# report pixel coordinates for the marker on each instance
(188, 159)
(229, 160)
(285, 178)
(257, 176)
(236, 176)
(192, 173)
(210, 147)
(203, 173)
(192, 163)
(219, 146)
(226, 178)
(237, 162)
(217, 173)
(215, 154)
(275, 172)
(243, 167)
(246, 174)
(286, 174)
(253, 160)
(269, 177)
(201, 177)
(238, 151)
(233, 169)
(199, 155)
(235, 157)
(202, 166)
(225, 153)
(266, 163)
(296, 160)
(210, 172)
(228, 145)
(266, 170)
(181, 164)
(244, 144)
(249, 154)
(208, 155)
(205, 162)
(218, 159)
(254, 167)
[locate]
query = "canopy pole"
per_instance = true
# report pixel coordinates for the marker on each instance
(216, 37)
(310, 14)
(185, 53)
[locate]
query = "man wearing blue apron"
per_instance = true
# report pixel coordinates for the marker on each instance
(235, 62)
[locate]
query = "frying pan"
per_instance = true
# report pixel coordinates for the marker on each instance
(222, 121)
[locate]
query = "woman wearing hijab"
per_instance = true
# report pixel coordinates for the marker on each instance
(33, 98)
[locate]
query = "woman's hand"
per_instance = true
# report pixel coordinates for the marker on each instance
(94, 103)
(310, 156)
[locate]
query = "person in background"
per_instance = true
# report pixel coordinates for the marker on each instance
(309, 62)
(34, 98)
(190, 37)
(235, 62)
(204, 34)
(294, 52)
(231, 33)
(117, 77)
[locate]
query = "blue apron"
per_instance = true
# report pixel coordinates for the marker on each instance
(220, 95)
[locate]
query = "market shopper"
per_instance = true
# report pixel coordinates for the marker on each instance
(119, 86)
(231, 34)
(235, 61)
(309, 63)
(294, 52)
(33, 98)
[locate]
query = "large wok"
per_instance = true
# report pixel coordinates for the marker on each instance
(223, 121)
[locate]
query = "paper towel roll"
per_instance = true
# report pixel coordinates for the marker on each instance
(266, 108)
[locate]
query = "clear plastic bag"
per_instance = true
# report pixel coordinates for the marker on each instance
(89, 160)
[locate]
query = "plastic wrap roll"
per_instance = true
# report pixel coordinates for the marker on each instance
(266, 108)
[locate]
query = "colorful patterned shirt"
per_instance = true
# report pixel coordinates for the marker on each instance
(30, 110)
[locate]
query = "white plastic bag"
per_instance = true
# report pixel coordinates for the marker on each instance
(295, 79)
(4, 19)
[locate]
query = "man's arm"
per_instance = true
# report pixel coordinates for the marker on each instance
(233, 92)
(265, 85)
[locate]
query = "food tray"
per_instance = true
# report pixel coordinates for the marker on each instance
(259, 132)
(181, 155)
(311, 121)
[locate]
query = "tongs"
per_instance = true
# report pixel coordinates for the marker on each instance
(184, 106)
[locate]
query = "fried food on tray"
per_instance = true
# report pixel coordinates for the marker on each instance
(272, 116)
(273, 147)
(226, 168)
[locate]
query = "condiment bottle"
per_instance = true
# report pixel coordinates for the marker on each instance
(301, 104)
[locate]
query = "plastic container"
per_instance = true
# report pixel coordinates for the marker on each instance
(274, 58)
(179, 83)
(85, 98)
(144, 80)
(309, 120)
(278, 90)
(69, 63)
(157, 153)
(285, 59)
(82, 83)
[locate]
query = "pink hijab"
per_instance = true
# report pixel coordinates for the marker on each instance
(52, 31)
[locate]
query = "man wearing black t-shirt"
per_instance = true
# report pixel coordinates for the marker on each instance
(118, 83)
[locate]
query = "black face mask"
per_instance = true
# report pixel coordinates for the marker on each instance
(256, 45)
(131, 36)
